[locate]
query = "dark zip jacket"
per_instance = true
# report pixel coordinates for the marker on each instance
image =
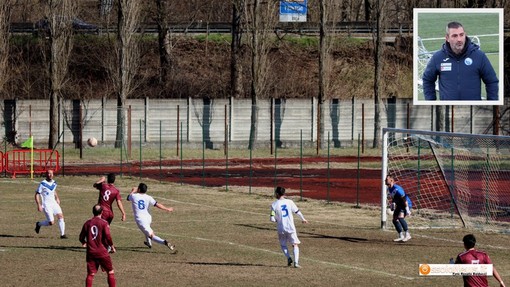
(460, 75)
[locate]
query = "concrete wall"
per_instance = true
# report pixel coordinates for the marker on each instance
(152, 119)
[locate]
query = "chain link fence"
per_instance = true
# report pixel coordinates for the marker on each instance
(206, 142)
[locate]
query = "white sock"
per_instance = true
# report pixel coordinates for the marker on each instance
(158, 239)
(62, 226)
(285, 250)
(296, 254)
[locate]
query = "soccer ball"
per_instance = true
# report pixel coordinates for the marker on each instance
(92, 142)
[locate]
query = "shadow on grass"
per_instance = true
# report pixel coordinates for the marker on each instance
(140, 249)
(82, 249)
(343, 238)
(228, 264)
(14, 236)
(315, 235)
(51, 247)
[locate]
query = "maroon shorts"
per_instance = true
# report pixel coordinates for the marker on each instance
(107, 215)
(94, 263)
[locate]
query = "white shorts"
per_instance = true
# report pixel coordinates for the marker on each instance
(51, 210)
(288, 237)
(145, 226)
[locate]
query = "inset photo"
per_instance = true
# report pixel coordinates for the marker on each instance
(458, 57)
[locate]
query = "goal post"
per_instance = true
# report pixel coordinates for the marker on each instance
(455, 180)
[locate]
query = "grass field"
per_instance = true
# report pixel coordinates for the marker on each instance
(224, 238)
(432, 25)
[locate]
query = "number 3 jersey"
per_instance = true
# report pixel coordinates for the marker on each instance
(283, 210)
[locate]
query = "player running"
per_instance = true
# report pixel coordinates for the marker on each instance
(108, 193)
(141, 201)
(96, 237)
(401, 206)
(282, 211)
(47, 200)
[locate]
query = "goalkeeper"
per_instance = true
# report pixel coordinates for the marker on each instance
(401, 206)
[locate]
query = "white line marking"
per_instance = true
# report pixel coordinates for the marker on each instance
(345, 266)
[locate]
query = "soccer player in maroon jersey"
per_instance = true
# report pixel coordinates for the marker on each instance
(108, 193)
(474, 256)
(95, 236)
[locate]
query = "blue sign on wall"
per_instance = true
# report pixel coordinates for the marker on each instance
(293, 10)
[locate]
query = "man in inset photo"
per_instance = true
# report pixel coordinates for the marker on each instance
(460, 65)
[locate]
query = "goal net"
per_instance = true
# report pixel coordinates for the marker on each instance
(454, 180)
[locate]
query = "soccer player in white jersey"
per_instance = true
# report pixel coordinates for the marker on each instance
(47, 201)
(140, 201)
(282, 211)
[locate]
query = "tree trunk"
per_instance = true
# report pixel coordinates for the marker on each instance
(367, 10)
(255, 69)
(322, 73)
(378, 62)
(163, 41)
(440, 118)
(236, 72)
(127, 60)
(53, 136)
(5, 19)
(254, 123)
(262, 20)
(60, 37)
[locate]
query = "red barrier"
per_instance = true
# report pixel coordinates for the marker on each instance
(1, 161)
(20, 161)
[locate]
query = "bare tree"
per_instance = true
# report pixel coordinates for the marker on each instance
(5, 18)
(127, 64)
(329, 12)
(8, 120)
(60, 14)
(164, 42)
(236, 68)
(379, 9)
(261, 18)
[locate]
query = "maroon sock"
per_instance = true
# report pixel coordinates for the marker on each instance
(111, 280)
(89, 280)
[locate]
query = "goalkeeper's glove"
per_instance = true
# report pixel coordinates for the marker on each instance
(408, 210)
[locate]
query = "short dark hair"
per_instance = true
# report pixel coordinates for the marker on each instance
(469, 241)
(142, 188)
(97, 210)
(453, 25)
(111, 177)
(279, 191)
